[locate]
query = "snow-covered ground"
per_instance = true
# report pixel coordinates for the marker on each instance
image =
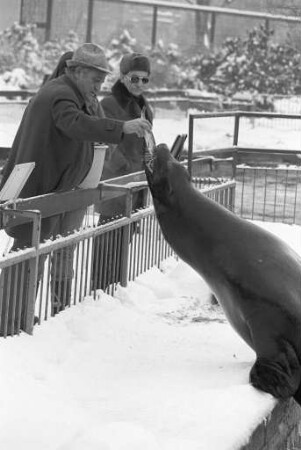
(209, 133)
(155, 368)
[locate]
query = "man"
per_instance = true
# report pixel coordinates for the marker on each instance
(56, 132)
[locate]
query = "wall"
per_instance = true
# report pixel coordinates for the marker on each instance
(280, 431)
(10, 13)
(109, 19)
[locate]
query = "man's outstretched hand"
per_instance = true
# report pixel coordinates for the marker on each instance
(137, 126)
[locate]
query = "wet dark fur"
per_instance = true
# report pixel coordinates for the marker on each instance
(254, 275)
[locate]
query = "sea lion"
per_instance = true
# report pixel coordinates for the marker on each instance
(254, 275)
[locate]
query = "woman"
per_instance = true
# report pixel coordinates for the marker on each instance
(125, 102)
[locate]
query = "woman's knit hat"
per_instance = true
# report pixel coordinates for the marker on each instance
(134, 61)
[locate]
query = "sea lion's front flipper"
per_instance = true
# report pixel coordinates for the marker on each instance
(279, 374)
(297, 395)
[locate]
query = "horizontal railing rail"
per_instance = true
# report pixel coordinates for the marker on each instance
(237, 116)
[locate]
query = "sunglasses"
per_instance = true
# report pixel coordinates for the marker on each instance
(134, 79)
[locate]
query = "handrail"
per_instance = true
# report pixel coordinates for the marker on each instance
(209, 9)
(213, 11)
(237, 115)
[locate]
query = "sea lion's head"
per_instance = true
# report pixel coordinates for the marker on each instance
(165, 175)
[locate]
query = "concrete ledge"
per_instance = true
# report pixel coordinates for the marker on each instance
(280, 431)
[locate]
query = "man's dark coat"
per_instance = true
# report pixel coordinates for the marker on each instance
(56, 133)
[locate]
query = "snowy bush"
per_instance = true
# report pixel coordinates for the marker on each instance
(254, 66)
(20, 50)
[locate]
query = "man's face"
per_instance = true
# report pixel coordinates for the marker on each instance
(89, 81)
(136, 81)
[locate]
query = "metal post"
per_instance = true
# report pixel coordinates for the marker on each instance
(154, 27)
(125, 242)
(267, 25)
(21, 12)
(190, 144)
(90, 21)
(212, 29)
(33, 272)
(48, 20)
(236, 129)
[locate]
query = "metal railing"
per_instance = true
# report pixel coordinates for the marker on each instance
(269, 194)
(235, 126)
(268, 181)
(212, 11)
(34, 282)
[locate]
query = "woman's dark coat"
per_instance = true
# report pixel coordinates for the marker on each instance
(56, 133)
(126, 157)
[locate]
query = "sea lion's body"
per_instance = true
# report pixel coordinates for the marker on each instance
(255, 276)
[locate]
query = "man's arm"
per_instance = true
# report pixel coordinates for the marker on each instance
(76, 124)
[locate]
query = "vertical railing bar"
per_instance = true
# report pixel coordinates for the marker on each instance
(33, 264)
(141, 247)
(116, 256)
(86, 274)
(110, 260)
(149, 232)
(242, 192)
(61, 281)
(24, 266)
(130, 268)
(118, 260)
(157, 244)
(87, 284)
(264, 194)
(105, 258)
(40, 290)
(190, 144)
(139, 252)
(53, 271)
(275, 197)
(47, 288)
(95, 262)
(296, 195)
(285, 194)
(76, 296)
(101, 256)
(153, 241)
(9, 277)
(14, 296)
(81, 271)
(141, 232)
(144, 231)
(135, 252)
(253, 195)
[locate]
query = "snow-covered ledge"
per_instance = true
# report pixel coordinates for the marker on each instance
(155, 368)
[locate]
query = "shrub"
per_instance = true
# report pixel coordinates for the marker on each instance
(255, 64)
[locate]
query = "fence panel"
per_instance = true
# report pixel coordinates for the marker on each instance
(269, 194)
(102, 256)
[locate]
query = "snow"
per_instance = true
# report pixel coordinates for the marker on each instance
(157, 367)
